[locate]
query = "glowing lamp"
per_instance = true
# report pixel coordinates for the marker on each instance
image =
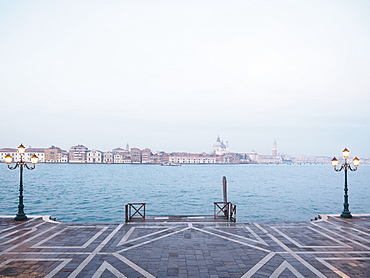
(334, 162)
(21, 149)
(8, 159)
(34, 159)
(345, 153)
(356, 161)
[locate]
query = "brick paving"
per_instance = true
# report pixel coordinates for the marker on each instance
(330, 247)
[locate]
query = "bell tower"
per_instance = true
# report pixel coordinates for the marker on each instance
(274, 148)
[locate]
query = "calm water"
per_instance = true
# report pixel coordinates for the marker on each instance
(98, 193)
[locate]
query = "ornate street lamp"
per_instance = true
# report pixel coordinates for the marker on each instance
(21, 216)
(346, 213)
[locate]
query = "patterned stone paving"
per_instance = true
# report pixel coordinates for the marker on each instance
(331, 247)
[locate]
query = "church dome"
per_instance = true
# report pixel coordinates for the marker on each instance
(219, 148)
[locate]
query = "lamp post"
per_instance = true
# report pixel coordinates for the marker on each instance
(21, 216)
(345, 166)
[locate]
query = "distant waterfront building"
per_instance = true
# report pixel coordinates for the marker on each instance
(94, 156)
(219, 148)
(188, 158)
(118, 157)
(146, 156)
(77, 154)
(53, 155)
(135, 155)
(64, 157)
(253, 156)
(108, 157)
(160, 157)
(269, 159)
(244, 158)
(121, 156)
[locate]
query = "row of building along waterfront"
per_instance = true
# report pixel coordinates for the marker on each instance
(219, 154)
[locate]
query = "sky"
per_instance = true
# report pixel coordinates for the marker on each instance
(174, 75)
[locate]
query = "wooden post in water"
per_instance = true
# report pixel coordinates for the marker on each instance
(224, 183)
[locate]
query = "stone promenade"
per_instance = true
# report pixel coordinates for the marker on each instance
(330, 247)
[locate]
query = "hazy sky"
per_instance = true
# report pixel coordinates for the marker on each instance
(173, 75)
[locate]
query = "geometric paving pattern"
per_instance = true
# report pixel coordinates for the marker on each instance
(331, 247)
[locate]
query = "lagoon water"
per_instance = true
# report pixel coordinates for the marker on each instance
(99, 192)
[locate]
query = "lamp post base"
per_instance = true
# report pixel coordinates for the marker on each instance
(346, 214)
(21, 217)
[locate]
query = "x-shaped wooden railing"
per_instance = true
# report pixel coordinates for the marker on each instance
(225, 209)
(221, 209)
(139, 211)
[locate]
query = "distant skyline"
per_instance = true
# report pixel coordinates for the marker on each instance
(173, 75)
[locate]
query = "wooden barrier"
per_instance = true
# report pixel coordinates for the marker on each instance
(139, 211)
(226, 210)
(221, 209)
